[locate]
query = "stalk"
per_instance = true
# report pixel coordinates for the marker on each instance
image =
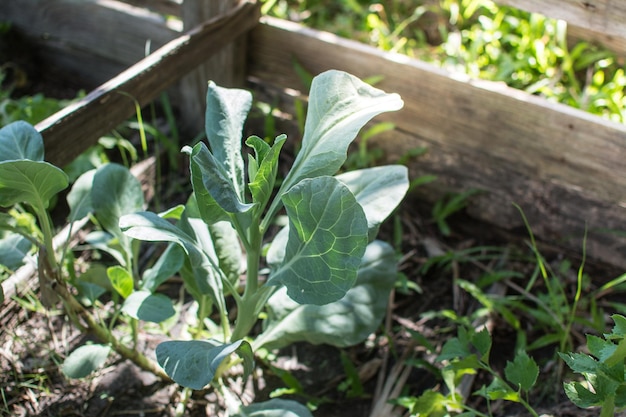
(104, 335)
(246, 308)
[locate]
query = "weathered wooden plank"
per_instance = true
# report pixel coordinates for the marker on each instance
(612, 43)
(165, 7)
(603, 16)
(226, 68)
(564, 167)
(72, 130)
(88, 40)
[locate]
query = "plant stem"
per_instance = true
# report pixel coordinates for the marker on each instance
(184, 399)
(246, 308)
(46, 230)
(104, 335)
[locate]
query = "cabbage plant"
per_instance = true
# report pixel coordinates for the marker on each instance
(323, 277)
(300, 252)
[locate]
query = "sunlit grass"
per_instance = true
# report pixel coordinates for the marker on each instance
(527, 51)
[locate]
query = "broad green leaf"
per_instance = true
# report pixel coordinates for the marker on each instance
(453, 348)
(275, 407)
(115, 192)
(340, 104)
(19, 140)
(170, 262)
(522, 372)
(469, 364)
(218, 181)
(327, 239)
(227, 249)
(482, 342)
(428, 403)
(580, 395)
(208, 209)
(226, 112)
(262, 183)
(88, 292)
(173, 213)
(32, 182)
(105, 242)
(193, 363)
(342, 323)
(121, 280)
(143, 305)
(600, 348)
(150, 227)
(261, 148)
(13, 250)
(79, 197)
(619, 329)
(618, 356)
(85, 359)
(96, 274)
(378, 190)
(498, 390)
(579, 362)
(195, 274)
(603, 385)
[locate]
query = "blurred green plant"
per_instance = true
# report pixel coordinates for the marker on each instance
(468, 354)
(31, 109)
(525, 50)
(602, 369)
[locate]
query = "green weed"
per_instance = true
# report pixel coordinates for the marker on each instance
(468, 354)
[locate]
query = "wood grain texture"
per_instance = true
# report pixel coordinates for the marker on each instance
(92, 40)
(226, 67)
(166, 7)
(603, 16)
(72, 130)
(564, 167)
(612, 43)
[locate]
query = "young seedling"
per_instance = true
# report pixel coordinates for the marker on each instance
(467, 354)
(27, 180)
(603, 370)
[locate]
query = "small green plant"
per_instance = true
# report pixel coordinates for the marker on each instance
(327, 276)
(323, 278)
(603, 370)
(28, 184)
(447, 206)
(31, 109)
(467, 354)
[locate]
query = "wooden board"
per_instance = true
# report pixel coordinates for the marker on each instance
(91, 40)
(226, 68)
(70, 131)
(165, 7)
(603, 16)
(612, 43)
(564, 167)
